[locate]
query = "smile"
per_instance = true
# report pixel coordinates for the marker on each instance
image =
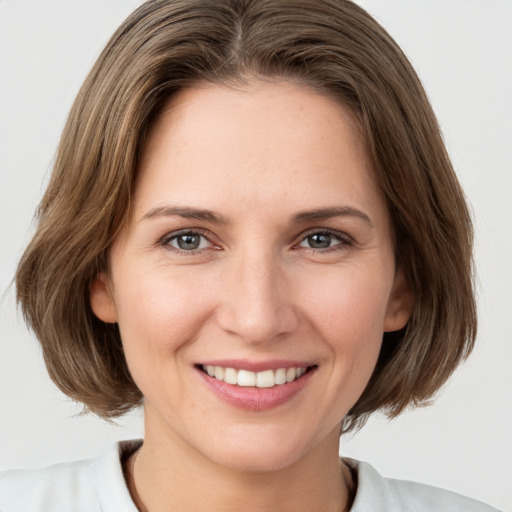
(256, 386)
(262, 379)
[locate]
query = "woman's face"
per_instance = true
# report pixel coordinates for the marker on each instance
(259, 248)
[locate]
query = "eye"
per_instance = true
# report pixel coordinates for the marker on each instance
(324, 240)
(187, 241)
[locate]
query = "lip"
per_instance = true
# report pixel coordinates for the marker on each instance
(255, 399)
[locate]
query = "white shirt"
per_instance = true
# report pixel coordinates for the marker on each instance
(98, 485)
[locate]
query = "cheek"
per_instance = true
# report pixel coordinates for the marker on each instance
(352, 300)
(348, 312)
(159, 313)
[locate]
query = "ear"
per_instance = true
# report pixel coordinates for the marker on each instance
(400, 304)
(102, 301)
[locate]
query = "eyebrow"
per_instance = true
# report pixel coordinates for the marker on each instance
(329, 213)
(187, 213)
(214, 218)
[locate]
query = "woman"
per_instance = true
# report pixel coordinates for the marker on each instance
(249, 229)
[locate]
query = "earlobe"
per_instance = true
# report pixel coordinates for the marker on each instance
(102, 301)
(400, 305)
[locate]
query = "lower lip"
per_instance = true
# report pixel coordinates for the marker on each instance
(256, 399)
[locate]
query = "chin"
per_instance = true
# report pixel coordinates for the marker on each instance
(259, 452)
(255, 460)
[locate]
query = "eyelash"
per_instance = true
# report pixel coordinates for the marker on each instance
(344, 241)
(167, 239)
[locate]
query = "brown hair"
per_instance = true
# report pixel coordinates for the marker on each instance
(333, 46)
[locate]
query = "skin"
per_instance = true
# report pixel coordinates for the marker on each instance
(255, 290)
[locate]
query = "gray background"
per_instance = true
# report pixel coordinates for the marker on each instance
(462, 50)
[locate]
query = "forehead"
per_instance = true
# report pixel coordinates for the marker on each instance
(267, 142)
(262, 113)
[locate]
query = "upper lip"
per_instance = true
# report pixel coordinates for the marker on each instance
(256, 366)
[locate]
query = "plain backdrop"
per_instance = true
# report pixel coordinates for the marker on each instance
(462, 50)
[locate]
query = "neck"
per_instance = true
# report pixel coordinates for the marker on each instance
(166, 476)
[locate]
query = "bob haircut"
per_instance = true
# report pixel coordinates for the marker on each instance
(330, 46)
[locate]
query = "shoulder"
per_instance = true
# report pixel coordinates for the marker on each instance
(376, 493)
(62, 486)
(82, 486)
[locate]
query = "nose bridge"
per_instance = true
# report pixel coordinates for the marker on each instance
(255, 303)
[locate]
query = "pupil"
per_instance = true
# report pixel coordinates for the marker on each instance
(320, 241)
(188, 242)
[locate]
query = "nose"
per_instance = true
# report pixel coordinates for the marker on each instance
(256, 302)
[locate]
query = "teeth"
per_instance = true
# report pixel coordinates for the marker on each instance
(230, 376)
(246, 378)
(219, 373)
(280, 376)
(291, 373)
(264, 379)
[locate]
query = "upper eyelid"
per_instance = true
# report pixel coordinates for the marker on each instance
(197, 231)
(333, 232)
